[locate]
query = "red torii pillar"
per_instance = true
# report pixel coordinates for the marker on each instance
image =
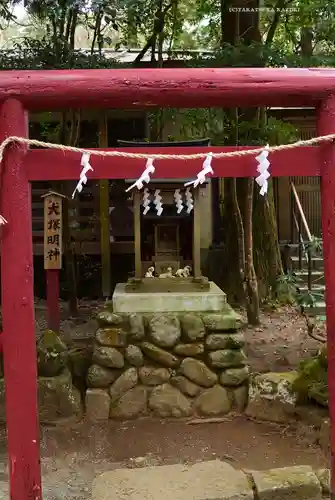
(326, 125)
(18, 315)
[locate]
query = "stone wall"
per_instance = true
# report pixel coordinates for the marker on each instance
(167, 365)
(212, 479)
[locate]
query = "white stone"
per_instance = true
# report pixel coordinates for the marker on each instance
(213, 299)
(212, 480)
(271, 397)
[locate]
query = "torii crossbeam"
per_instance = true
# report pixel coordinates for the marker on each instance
(22, 91)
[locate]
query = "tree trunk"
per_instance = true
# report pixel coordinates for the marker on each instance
(70, 137)
(70, 257)
(252, 296)
(306, 42)
(261, 236)
(267, 256)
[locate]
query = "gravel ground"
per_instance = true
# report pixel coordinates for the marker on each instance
(73, 456)
(281, 342)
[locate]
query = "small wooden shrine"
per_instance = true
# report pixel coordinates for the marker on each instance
(169, 243)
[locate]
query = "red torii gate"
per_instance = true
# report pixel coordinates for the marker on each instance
(22, 91)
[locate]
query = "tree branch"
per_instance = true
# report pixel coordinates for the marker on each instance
(276, 18)
(158, 28)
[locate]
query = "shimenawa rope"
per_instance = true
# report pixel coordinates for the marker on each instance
(158, 156)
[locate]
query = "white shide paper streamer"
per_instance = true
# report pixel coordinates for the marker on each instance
(85, 163)
(145, 177)
(263, 170)
(178, 198)
(201, 176)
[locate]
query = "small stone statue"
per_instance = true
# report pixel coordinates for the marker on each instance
(168, 274)
(187, 271)
(150, 272)
(183, 273)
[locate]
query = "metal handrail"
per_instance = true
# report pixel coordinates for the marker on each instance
(302, 247)
(301, 239)
(301, 211)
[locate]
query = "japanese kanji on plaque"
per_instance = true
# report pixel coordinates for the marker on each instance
(53, 230)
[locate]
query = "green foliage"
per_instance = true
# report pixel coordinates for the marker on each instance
(309, 299)
(187, 25)
(255, 54)
(285, 289)
(217, 124)
(41, 54)
(287, 285)
(312, 382)
(6, 11)
(315, 16)
(314, 246)
(290, 279)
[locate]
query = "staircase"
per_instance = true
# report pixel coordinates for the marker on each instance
(309, 281)
(306, 265)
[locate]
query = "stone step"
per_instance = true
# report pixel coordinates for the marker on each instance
(318, 310)
(293, 246)
(319, 294)
(315, 289)
(318, 277)
(214, 479)
(199, 481)
(321, 317)
(285, 244)
(317, 262)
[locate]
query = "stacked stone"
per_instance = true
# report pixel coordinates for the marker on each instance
(169, 365)
(58, 398)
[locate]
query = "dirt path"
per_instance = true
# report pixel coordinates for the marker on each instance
(72, 457)
(281, 341)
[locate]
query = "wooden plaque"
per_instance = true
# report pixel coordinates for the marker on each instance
(53, 230)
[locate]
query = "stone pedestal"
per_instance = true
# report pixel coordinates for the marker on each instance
(212, 300)
(168, 364)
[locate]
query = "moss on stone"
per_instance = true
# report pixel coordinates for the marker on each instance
(234, 342)
(57, 397)
(223, 321)
(298, 482)
(52, 354)
(111, 337)
(311, 383)
(227, 358)
(323, 476)
(108, 318)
